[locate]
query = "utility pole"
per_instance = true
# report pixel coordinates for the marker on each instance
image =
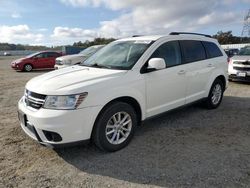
(246, 25)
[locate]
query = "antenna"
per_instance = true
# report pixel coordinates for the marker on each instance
(246, 25)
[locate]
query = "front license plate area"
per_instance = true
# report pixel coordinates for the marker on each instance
(242, 74)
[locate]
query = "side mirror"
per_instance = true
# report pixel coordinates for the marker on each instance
(156, 64)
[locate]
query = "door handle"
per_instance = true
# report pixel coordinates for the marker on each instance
(210, 65)
(181, 72)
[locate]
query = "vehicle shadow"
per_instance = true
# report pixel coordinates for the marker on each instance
(37, 71)
(187, 147)
(240, 82)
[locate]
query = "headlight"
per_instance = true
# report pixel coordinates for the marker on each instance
(64, 102)
(68, 62)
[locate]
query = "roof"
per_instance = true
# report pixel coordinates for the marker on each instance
(177, 37)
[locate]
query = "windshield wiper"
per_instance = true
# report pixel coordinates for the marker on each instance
(99, 66)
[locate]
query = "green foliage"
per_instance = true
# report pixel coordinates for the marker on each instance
(7, 46)
(96, 41)
(228, 38)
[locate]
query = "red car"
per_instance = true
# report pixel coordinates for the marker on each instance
(39, 60)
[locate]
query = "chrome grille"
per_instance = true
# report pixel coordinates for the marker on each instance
(242, 68)
(34, 100)
(242, 62)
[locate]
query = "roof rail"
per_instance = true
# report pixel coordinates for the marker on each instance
(187, 33)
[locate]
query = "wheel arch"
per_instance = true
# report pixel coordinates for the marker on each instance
(216, 75)
(129, 100)
(223, 79)
(126, 99)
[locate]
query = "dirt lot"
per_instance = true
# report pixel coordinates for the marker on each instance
(190, 147)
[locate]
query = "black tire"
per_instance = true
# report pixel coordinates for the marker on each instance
(99, 132)
(27, 67)
(209, 103)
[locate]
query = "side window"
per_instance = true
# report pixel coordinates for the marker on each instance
(192, 50)
(39, 55)
(42, 55)
(52, 54)
(170, 52)
(212, 49)
(45, 55)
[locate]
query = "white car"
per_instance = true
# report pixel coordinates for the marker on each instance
(127, 81)
(7, 54)
(239, 66)
(69, 60)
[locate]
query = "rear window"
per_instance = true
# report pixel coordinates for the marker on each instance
(212, 49)
(192, 50)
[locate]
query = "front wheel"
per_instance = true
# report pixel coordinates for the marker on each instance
(115, 127)
(27, 68)
(215, 95)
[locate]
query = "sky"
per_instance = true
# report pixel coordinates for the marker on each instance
(61, 22)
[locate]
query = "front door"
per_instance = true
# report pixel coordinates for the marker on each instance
(41, 61)
(166, 88)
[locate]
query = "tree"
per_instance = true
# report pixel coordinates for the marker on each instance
(228, 38)
(96, 41)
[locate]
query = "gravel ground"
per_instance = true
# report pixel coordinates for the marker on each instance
(189, 147)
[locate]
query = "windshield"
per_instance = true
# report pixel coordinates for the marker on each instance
(90, 50)
(118, 55)
(244, 51)
(33, 54)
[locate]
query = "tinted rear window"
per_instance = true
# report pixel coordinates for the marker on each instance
(212, 49)
(52, 54)
(192, 50)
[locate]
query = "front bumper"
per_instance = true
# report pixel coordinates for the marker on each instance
(15, 66)
(238, 75)
(234, 77)
(71, 125)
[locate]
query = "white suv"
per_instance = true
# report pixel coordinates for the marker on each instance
(127, 81)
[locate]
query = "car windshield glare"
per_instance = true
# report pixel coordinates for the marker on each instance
(32, 55)
(118, 55)
(244, 51)
(89, 50)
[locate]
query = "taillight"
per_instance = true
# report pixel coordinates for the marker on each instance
(229, 61)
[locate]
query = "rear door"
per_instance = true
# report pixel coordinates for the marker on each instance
(52, 59)
(198, 69)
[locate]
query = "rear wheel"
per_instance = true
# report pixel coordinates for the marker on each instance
(215, 95)
(114, 128)
(27, 67)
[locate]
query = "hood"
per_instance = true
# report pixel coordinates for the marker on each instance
(19, 60)
(241, 58)
(71, 80)
(70, 57)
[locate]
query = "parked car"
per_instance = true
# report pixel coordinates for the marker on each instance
(128, 81)
(239, 66)
(39, 60)
(232, 52)
(69, 60)
(7, 54)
